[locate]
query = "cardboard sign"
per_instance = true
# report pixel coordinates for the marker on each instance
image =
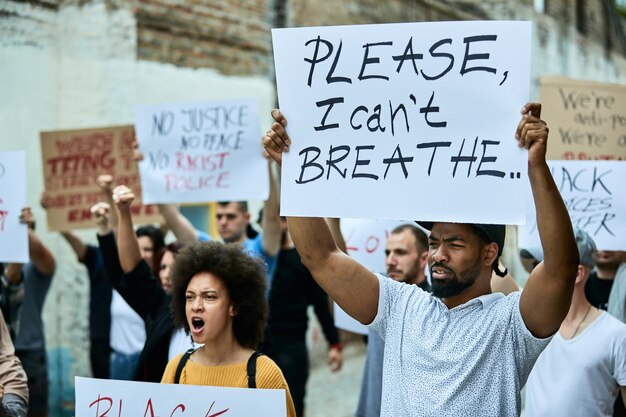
(593, 192)
(198, 152)
(587, 120)
(13, 234)
(397, 121)
(73, 159)
(100, 397)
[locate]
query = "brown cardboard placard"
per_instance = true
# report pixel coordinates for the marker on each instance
(73, 159)
(587, 120)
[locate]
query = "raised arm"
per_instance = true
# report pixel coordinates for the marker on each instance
(179, 225)
(346, 281)
(107, 244)
(547, 295)
(335, 228)
(39, 254)
(271, 218)
(127, 244)
(105, 182)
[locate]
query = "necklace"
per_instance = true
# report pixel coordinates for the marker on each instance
(581, 322)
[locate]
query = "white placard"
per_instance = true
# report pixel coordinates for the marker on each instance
(198, 152)
(345, 322)
(13, 234)
(411, 120)
(366, 241)
(99, 398)
(595, 196)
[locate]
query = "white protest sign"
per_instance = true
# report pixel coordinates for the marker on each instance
(366, 241)
(411, 120)
(13, 234)
(593, 192)
(345, 322)
(198, 152)
(99, 398)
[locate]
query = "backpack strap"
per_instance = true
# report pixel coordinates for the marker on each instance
(252, 369)
(181, 364)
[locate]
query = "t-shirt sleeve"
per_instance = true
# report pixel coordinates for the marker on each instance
(388, 294)
(527, 347)
(619, 373)
(255, 247)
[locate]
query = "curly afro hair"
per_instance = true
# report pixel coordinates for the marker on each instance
(243, 276)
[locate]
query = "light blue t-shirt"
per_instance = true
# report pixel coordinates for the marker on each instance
(254, 247)
(471, 360)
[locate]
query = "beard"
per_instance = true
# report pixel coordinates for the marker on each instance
(444, 288)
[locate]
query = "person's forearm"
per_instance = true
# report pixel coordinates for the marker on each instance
(113, 213)
(178, 224)
(110, 255)
(77, 245)
(313, 240)
(39, 254)
(335, 228)
(127, 244)
(271, 218)
(554, 225)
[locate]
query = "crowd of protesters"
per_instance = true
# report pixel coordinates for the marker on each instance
(463, 340)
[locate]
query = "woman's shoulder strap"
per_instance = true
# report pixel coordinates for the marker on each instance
(181, 364)
(252, 369)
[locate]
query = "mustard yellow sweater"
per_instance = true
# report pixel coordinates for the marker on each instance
(268, 375)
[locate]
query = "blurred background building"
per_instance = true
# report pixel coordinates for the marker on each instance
(67, 64)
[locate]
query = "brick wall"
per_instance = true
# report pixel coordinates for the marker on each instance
(232, 36)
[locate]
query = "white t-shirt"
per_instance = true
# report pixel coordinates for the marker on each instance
(470, 361)
(128, 331)
(580, 376)
(180, 343)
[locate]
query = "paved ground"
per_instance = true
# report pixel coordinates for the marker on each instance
(335, 395)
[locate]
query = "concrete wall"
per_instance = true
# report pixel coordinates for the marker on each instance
(85, 63)
(77, 67)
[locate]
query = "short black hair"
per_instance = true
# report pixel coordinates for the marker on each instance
(241, 205)
(243, 276)
(485, 239)
(421, 240)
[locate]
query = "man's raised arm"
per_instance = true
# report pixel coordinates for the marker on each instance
(271, 219)
(547, 295)
(346, 281)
